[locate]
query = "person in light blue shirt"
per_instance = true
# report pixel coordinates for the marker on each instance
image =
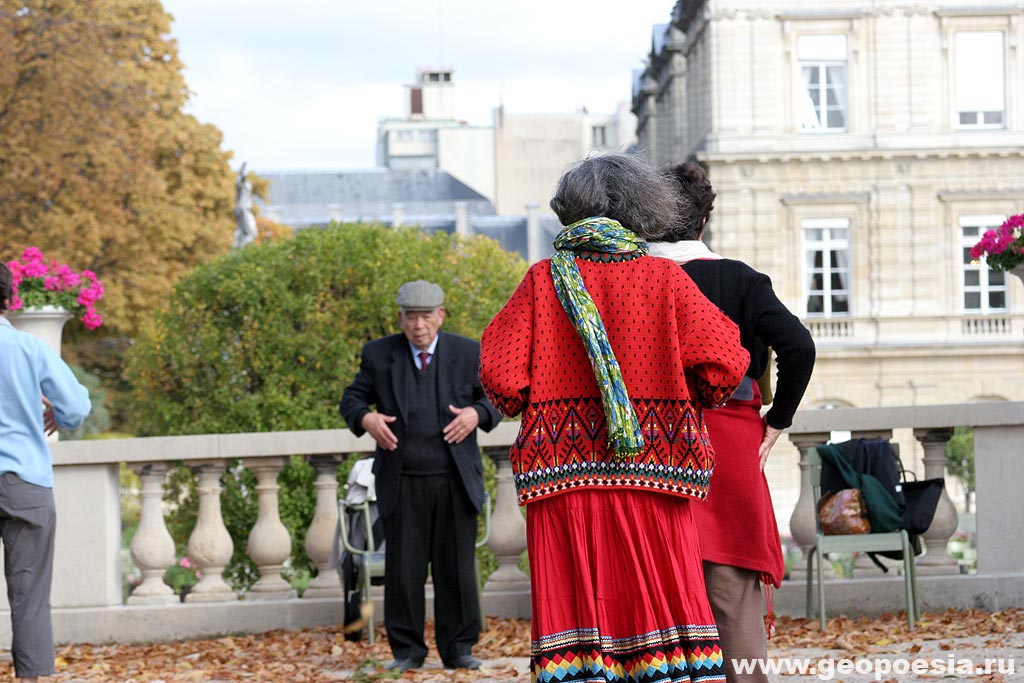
(31, 376)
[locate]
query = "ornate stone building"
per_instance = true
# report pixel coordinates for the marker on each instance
(858, 151)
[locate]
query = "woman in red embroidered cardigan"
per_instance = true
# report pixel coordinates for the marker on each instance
(610, 355)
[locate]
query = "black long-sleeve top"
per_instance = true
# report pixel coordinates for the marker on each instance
(747, 297)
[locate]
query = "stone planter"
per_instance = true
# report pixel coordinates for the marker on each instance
(1018, 270)
(45, 322)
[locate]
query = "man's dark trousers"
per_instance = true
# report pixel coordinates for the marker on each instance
(433, 523)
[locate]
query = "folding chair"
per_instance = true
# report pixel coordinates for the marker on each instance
(360, 499)
(873, 542)
(359, 505)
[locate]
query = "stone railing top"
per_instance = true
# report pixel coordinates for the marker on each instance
(988, 414)
(342, 441)
(201, 447)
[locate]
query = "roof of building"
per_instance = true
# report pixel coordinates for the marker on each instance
(427, 198)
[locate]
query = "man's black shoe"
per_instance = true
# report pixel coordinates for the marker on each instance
(463, 662)
(403, 665)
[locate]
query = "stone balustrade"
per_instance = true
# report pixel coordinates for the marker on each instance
(87, 599)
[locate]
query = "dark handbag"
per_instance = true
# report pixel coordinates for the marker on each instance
(922, 500)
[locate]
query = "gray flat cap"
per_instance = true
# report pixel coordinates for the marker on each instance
(420, 295)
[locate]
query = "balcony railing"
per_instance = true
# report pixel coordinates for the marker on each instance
(922, 329)
(87, 598)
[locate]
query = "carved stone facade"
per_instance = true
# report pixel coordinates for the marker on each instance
(856, 152)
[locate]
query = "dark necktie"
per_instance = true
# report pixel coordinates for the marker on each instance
(424, 361)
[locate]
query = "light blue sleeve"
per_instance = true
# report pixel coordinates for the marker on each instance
(70, 399)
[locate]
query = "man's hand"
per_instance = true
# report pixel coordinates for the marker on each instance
(771, 435)
(376, 424)
(466, 420)
(49, 417)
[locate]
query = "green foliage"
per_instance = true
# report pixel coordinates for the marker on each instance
(266, 338)
(99, 418)
(960, 456)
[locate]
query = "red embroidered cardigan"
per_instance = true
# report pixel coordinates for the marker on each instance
(677, 351)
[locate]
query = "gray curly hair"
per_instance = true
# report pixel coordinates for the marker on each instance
(619, 185)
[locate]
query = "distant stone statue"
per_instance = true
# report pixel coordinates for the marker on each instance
(245, 230)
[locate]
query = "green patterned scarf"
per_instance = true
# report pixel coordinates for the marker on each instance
(602, 235)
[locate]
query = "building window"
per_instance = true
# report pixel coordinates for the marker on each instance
(822, 102)
(405, 135)
(980, 81)
(827, 266)
(984, 289)
(428, 135)
(599, 136)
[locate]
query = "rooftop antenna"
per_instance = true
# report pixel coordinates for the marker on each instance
(440, 34)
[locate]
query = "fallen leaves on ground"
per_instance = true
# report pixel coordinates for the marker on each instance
(889, 633)
(322, 655)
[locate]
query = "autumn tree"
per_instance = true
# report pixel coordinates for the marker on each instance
(99, 165)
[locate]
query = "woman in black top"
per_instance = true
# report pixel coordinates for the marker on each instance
(740, 543)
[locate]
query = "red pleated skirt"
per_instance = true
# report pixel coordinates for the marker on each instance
(618, 590)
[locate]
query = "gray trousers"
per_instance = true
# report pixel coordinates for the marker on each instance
(735, 597)
(27, 523)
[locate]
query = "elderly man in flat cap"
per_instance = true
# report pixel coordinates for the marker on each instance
(418, 394)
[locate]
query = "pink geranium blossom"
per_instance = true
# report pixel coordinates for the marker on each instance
(37, 283)
(1002, 248)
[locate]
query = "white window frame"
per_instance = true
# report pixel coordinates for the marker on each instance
(821, 52)
(962, 77)
(985, 287)
(826, 245)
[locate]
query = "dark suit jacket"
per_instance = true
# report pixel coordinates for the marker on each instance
(380, 383)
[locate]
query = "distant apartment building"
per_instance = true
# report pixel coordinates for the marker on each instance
(515, 162)
(428, 135)
(532, 150)
(858, 151)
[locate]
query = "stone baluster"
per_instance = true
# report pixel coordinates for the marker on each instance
(803, 525)
(152, 546)
(508, 535)
(323, 530)
(269, 541)
(936, 560)
(210, 546)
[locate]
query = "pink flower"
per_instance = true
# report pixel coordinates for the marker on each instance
(87, 297)
(52, 284)
(976, 252)
(31, 255)
(92, 319)
(34, 269)
(186, 563)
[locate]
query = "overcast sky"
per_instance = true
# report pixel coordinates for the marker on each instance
(300, 84)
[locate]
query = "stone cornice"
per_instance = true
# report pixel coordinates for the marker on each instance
(987, 11)
(859, 155)
(1012, 194)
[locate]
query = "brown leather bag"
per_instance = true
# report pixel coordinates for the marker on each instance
(842, 513)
